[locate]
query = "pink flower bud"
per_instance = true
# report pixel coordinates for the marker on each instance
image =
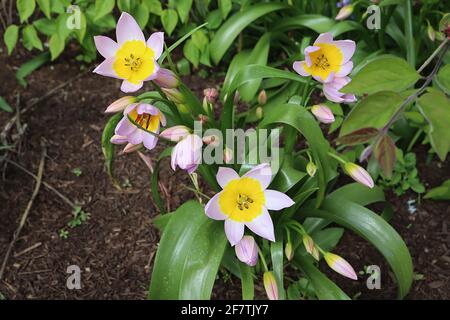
(315, 253)
(358, 174)
(187, 154)
(211, 94)
(247, 251)
(129, 148)
(227, 155)
(175, 133)
(166, 79)
(339, 265)
(322, 113)
(211, 140)
(203, 119)
(345, 12)
(120, 104)
(174, 95)
(308, 242)
(262, 98)
(270, 284)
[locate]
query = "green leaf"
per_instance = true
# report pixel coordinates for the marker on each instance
(153, 6)
(258, 56)
(316, 22)
(192, 53)
(229, 31)
(189, 255)
(56, 45)
(103, 7)
(25, 8)
(169, 20)
(387, 73)
(277, 255)
(374, 229)
(108, 147)
(287, 176)
(200, 39)
(45, 26)
(439, 193)
(28, 67)
(358, 137)
(325, 288)
(183, 7)
(373, 111)
(300, 119)
(10, 37)
(141, 14)
(435, 107)
(5, 105)
(225, 7)
(45, 7)
(443, 78)
(31, 39)
(248, 290)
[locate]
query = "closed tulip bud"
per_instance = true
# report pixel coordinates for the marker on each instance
(431, 33)
(270, 284)
(211, 94)
(247, 251)
(308, 242)
(211, 140)
(120, 104)
(345, 12)
(205, 104)
(289, 251)
(311, 169)
(203, 119)
(358, 174)
(174, 95)
(322, 113)
(175, 133)
(259, 113)
(227, 155)
(316, 254)
(365, 154)
(339, 265)
(166, 79)
(129, 148)
(262, 98)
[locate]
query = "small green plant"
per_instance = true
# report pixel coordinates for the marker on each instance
(64, 234)
(77, 171)
(405, 175)
(79, 216)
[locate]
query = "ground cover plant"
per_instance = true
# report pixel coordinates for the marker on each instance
(297, 149)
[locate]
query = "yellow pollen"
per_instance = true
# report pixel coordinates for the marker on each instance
(322, 62)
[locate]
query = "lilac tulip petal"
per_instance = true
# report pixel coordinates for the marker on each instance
(262, 225)
(106, 68)
(149, 140)
(156, 42)
(154, 75)
(116, 139)
(225, 175)
(234, 231)
(347, 48)
(340, 265)
(125, 127)
(324, 38)
(132, 148)
(147, 108)
(175, 133)
(308, 51)
(212, 208)
(136, 137)
(130, 87)
(346, 68)
(299, 67)
(276, 200)
(262, 173)
(247, 251)
(107, 47)
(128, 29)
(174, 158)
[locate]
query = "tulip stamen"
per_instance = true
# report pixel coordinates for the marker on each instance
(322, 62)
(243, 201)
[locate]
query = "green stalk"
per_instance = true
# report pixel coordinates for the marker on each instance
(410, 49)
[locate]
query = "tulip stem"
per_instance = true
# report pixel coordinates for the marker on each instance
(427, 62)
(337, 157)
(263, 260)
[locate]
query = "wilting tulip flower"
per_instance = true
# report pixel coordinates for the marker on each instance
(359, 174)
(131, 58)
(311, 169)
(322, 113)
(174, 95)
(187, 154)
(211, 94)
(227, 155)
(175, 133)
(247, 251)
(166, 79)
(308, 242)
(339, 265)
(327, 59)
(120, 104)
(262, 98)
(270, 284)
(140, 125)
(289, 251)
(345, 12)
(245, 201)
(332, 91)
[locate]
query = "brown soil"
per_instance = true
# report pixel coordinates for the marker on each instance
(116, 246)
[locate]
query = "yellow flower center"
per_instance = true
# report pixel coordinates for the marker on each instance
(325, 60)
(134, 61)
(145, 121)
(242, 199)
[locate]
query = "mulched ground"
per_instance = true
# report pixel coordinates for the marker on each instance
(116, 246)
